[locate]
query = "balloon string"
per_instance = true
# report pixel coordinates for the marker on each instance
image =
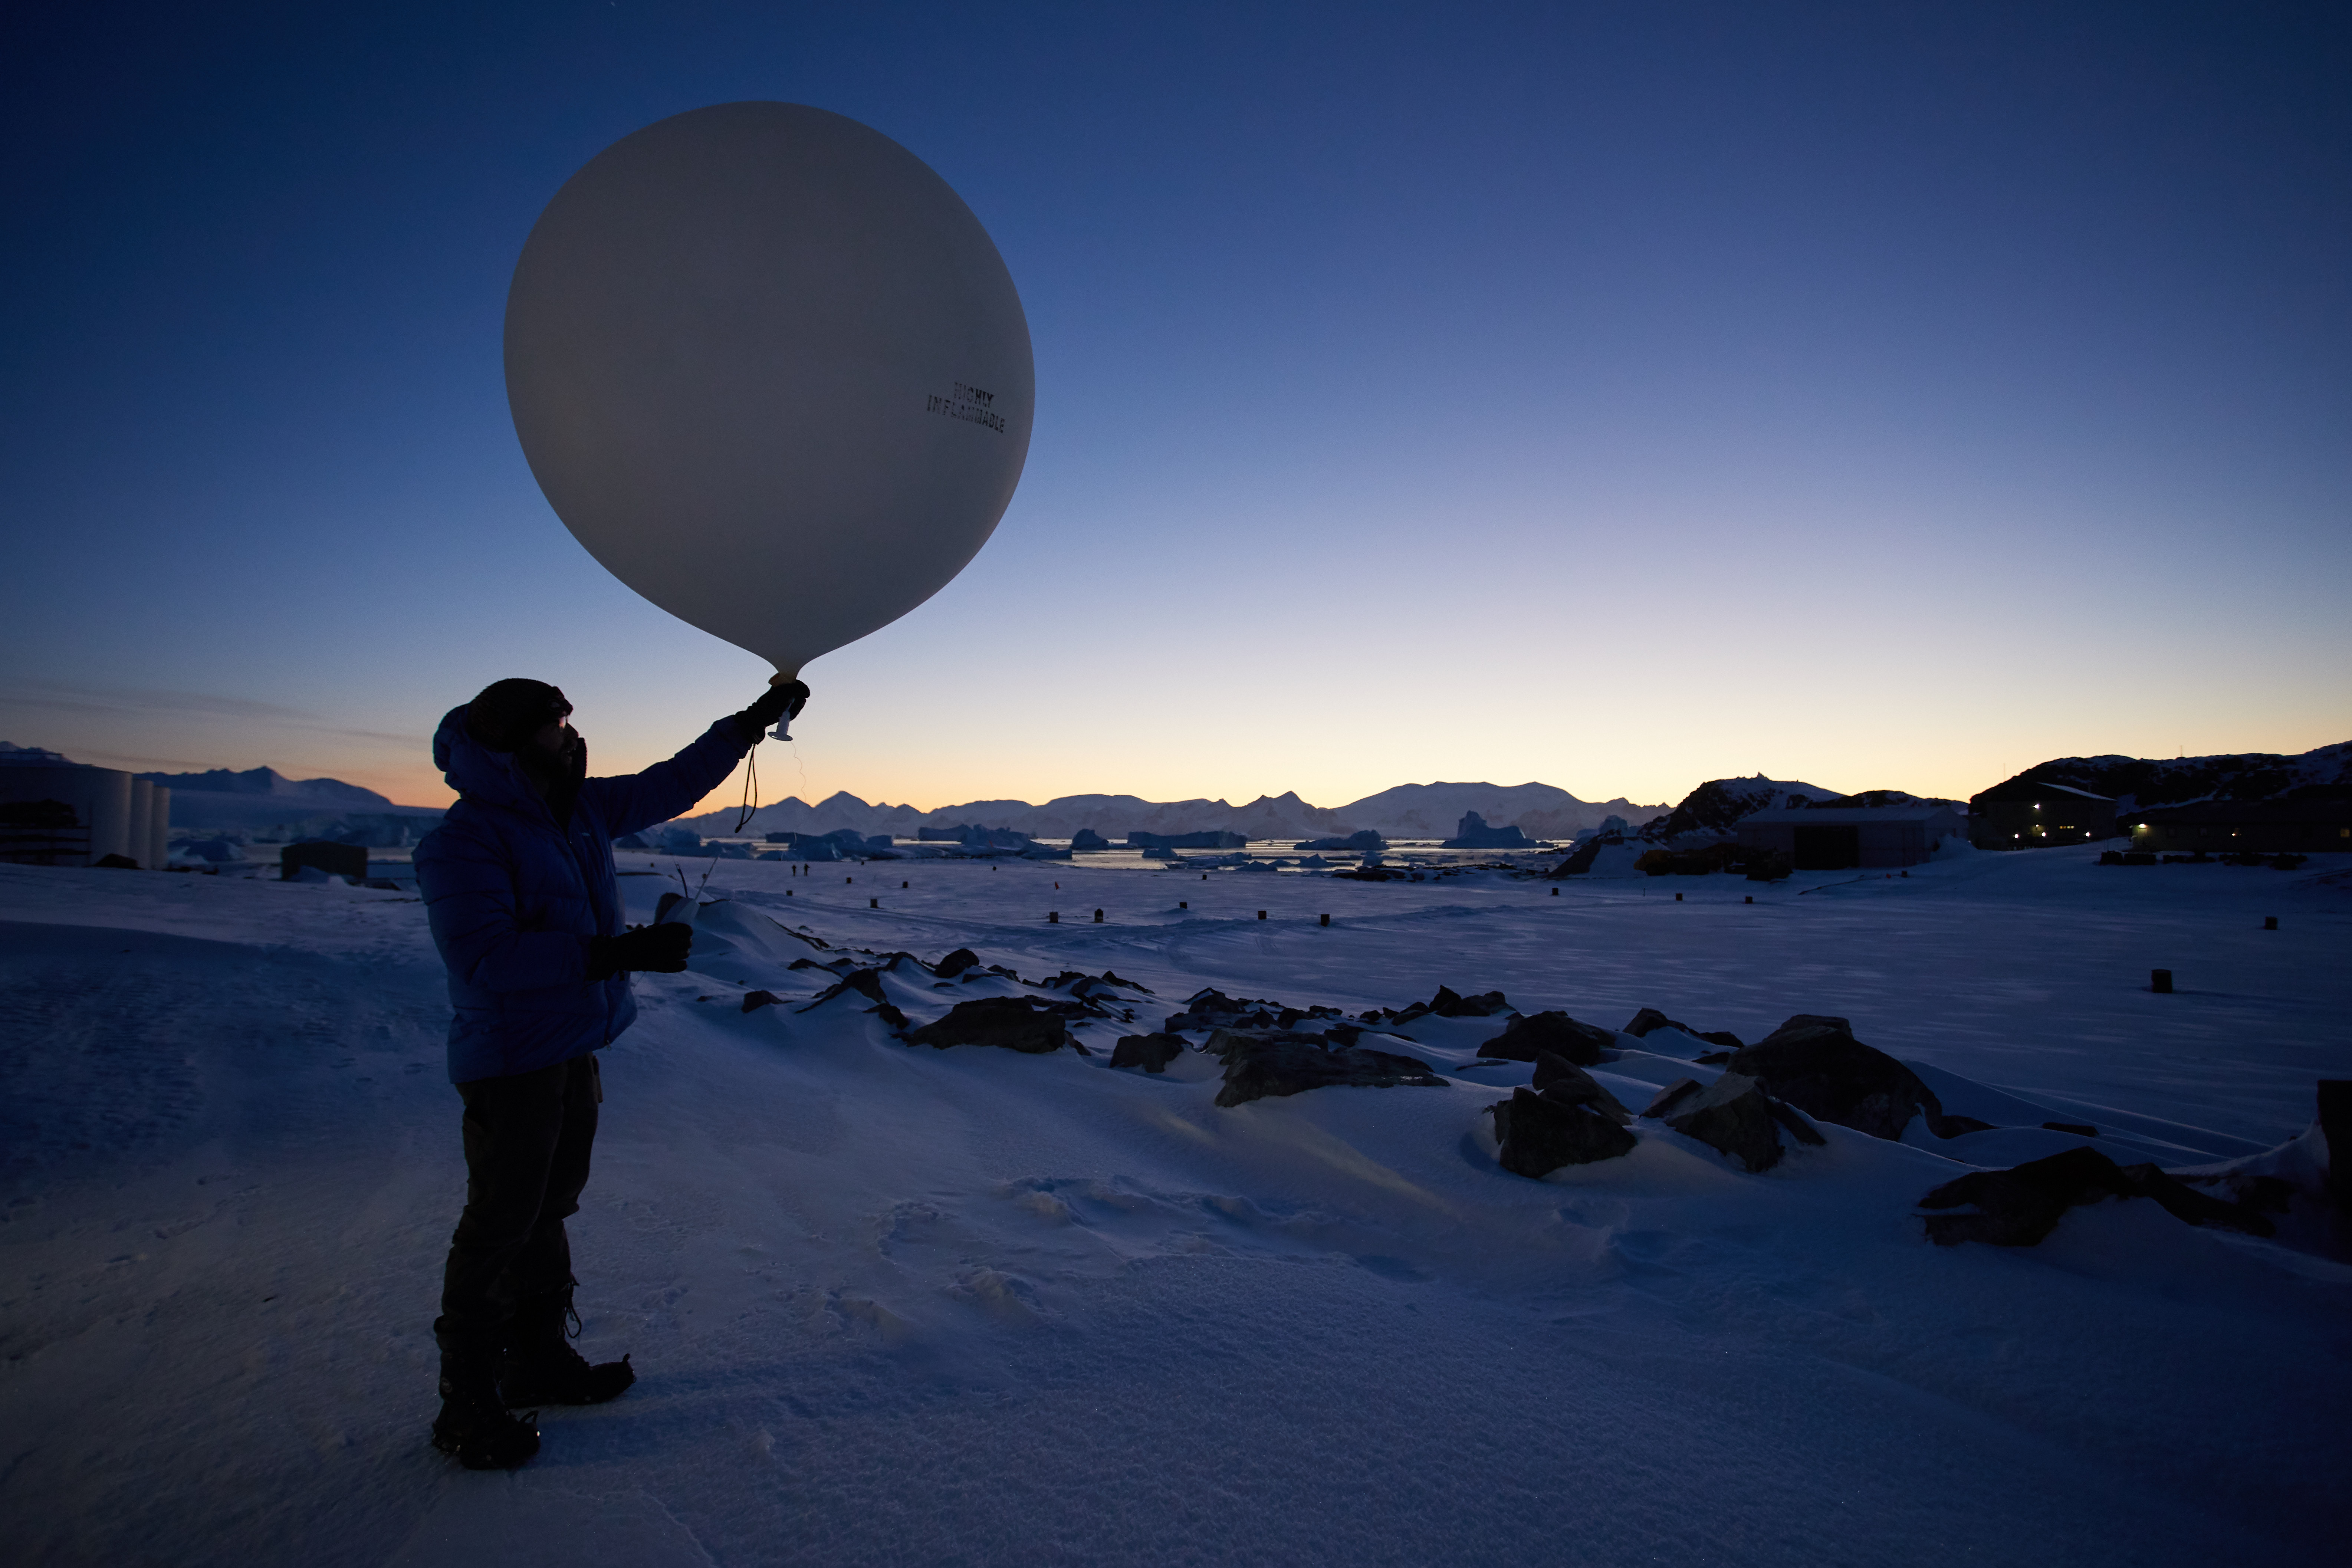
(750, 786)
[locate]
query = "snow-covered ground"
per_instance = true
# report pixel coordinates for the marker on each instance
(899, 1305)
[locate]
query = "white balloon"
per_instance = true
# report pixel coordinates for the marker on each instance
(771, 371)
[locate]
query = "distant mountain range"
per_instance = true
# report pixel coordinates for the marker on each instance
(263, 801)
(271, 782)
(1407, 811)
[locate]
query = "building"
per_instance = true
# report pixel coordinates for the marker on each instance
(1868, 837)
(67, 815)
(2024, 815)
(2288, 826)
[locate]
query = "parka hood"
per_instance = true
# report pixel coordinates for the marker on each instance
(475, 771)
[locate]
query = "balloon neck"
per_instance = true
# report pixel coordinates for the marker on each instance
(783, 731)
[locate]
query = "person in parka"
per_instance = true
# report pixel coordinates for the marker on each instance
(519, 886)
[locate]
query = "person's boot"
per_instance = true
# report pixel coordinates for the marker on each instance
(541, 1367)
(475, 1426)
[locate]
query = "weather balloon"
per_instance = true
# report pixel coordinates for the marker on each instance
(771, 371)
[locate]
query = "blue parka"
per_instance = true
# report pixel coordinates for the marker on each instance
(514, 896)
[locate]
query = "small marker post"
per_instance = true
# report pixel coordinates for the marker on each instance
(1098, 919)
(2160, 982)
(1327, 919)
(2270, 922)
(1261, 914)
(1678, 898)
(1053, 917)
(873, 903)
(1749, 900)
(1183, 903)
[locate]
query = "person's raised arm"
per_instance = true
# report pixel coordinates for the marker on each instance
(637, 801)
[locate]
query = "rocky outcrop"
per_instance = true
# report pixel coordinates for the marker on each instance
(1733, 1116)
(1152, 1053)
(1814, 1063)
(956, 963)
(1010, 1023)
(1558, 1078)
(1586, 853)
(1210, 1008)
(1712, 811)
(1649, 1019)
(1447, 1004)
(1262, 1063)
(2019, 1207)
(1527, 1037)
(1538, 1133)
(1087, 839)
(866, 982)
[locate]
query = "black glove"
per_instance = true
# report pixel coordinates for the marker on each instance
(660, 950)
(776, 702)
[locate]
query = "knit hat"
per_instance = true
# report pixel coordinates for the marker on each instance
(509, 712)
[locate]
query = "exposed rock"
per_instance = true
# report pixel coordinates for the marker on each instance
(1104, 985)
(1268, 1062)
(755, 1000)
(1713, 810)
(2079, 1128)
(1013, 1023)
(1528, 1037)
(1152, 1053)
(955, 963)
(889, 1014)
(1814, 1063)
(1210, 1008)
(1587, 851)
(1733, 1116)
(1649, 1018)
(1541, 1133)
(2019, 1207)
(867, 983)
(1087, 839)
(1447, 1004)
(1560, 1079)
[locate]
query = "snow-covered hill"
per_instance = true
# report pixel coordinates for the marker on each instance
(2139, 781)
(1711, 812)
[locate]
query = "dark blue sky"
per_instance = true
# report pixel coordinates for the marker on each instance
(1618, 395)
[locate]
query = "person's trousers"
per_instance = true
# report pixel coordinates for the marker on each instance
(527, 1142)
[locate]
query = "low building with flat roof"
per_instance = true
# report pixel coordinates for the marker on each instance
(2291, 827)
(1868, 837)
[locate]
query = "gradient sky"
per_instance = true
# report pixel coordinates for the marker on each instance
(1617, 396)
